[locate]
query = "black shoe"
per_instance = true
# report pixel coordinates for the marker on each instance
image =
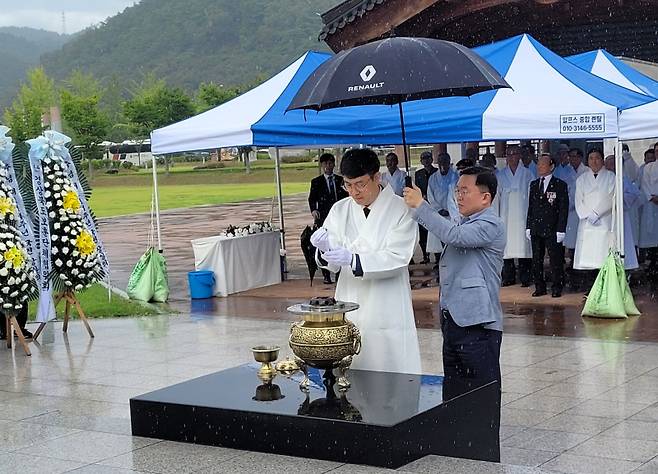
(556, 293)
(525, 284)
(327, 281)
(508, 283)
(27, 334)
(539, 293)
(425, 260)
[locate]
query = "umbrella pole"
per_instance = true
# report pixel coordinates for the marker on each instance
(407, 181)
(619, 198)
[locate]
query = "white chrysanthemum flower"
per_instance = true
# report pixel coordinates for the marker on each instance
(58, 263)
(51, 214)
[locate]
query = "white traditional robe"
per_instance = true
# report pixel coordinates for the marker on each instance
(512, 204)
(569, 175)
(632, 197)
(649, 213)
(533, 169)
(438, 196)
(385, 243)
(631, 169)
(594, 195)
(396, 181)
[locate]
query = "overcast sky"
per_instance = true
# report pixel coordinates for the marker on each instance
(47, 14)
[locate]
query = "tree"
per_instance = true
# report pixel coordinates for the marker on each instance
(25, 117)
(211, 94)
(155, 105)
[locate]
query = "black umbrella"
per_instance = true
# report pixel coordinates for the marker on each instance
(396, 70)
(309, 251)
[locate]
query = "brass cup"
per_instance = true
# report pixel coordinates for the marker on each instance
(266, 355)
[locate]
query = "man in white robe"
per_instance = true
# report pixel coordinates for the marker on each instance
(595, 191)
(569, 175)
(529, 159)
(393, 176)
(370, 237)
(632, 197)
(512, 202)
(438, 194)
(649, 221)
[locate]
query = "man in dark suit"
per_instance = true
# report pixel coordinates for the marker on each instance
(548, 210)
(326, 190)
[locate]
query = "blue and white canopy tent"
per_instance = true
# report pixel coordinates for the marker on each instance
(551, 98)
(635, 123)
(546, 89)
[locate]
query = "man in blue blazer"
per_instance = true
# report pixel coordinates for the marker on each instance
(469, 270)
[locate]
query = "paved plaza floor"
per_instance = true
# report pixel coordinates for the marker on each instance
(569, 404)
(578, 395)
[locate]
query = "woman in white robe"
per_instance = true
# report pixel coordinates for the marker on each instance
(594, 200)
(384, 242)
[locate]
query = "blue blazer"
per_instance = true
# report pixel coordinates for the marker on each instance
(470, 265)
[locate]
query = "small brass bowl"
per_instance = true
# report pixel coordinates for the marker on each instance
(265, 354)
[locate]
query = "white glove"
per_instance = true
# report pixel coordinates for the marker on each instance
(320, 239)
(339, 256)
(560, 237)
(527, 234)
(593, 218)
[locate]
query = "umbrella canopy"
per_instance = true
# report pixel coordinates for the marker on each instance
(395, 70)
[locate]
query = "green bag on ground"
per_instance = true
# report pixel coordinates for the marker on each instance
(148, 280)
(627, 296)
(605, 299)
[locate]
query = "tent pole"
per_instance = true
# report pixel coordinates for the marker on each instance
(157, 201)
(619, 198)
(277, 167)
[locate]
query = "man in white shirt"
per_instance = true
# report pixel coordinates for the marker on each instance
(438, 193)
(393, 176)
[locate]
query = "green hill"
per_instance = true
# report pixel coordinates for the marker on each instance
(20, 49)
(226, 41)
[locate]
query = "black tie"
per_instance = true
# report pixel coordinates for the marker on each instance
(542, 185)
(366, 211)
(595, 175)
(332, 188)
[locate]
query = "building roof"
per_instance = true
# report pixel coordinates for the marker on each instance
(345, 13)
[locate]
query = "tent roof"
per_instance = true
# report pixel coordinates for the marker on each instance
(546, 89)
(605, 65)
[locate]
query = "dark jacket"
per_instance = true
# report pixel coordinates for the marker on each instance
(319, 197)
(548, 212)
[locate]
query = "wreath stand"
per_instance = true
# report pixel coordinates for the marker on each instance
(71, 301)
(12, 325)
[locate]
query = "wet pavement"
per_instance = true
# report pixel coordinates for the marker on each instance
(126, 239)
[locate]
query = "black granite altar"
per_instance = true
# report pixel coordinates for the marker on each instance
(385, 419)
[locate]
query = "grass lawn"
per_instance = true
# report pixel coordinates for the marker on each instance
(95, 304)
(119, 200)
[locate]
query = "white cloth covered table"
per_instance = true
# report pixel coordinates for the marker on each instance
(240, 263)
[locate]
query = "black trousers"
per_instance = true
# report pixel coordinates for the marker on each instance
(652, 269)
(422, 239)
(470, 353)
(556, 260)
(509, 270)
(21, 319)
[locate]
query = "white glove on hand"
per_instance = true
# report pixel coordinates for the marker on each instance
(320, 239)
(527, 234)
(340, 256)
(593, 218)
(560, 237)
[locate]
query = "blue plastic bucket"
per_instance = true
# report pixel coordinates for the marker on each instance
(201, 284)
